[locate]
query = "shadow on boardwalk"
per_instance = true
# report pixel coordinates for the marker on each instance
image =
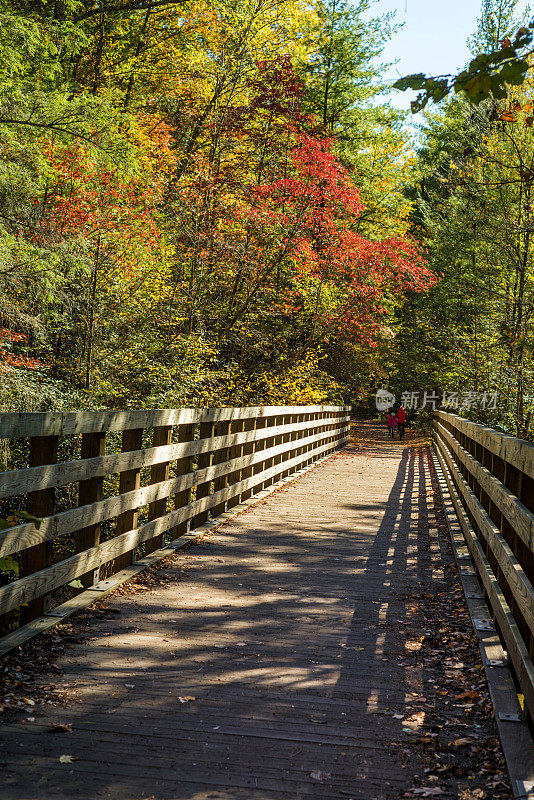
(289, 655)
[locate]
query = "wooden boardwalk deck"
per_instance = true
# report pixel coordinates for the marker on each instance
(270, 662)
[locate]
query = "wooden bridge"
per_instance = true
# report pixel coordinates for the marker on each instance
(318, 645)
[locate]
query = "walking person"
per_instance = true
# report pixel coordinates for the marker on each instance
(401, 420)
(392, 423)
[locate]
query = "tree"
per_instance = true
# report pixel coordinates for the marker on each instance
(501, 60)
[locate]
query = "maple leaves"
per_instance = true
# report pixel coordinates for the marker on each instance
(317, 207)
(272, 230)
(12, 360)
(200, 215)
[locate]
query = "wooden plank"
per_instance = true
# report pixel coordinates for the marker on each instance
(24, 424)
(515, 646)
(260, 444)
(516, 740)
(19, 482)
(13, 540)
(515, 451)
(243, 735)
(25, 589)
(182, 496)
(43, 450)
(90, 491)
(246, 452)
(508, 564)
(158, 474)
(129, 481)
(236, 454)
(204, 460)
(79, 422)
(219, 458)
(517, 514)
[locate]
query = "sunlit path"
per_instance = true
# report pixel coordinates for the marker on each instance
(279, 658)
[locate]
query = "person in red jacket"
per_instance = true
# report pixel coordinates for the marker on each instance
(401, 421)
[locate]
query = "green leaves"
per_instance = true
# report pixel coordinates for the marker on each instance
(487, 75)
(9, 566)
(14, 518)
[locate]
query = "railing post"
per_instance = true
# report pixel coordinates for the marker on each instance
(183, 467)
(129, 481)
(236, 450)
(247, 450)
(162, 436)
(278, 440)
(43, 451)
(90, 491)
(219, 457)
(204, 460)
(286, 438)
(259, 445)
(295, 449)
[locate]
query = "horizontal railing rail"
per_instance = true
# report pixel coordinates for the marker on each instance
(491, 480)
(104, 489)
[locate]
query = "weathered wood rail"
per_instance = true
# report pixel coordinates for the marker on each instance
(129, 480)
(491, 481)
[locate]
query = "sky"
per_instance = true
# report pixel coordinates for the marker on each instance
(433, 39)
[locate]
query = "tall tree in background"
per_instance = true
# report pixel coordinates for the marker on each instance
(474, 213)
(200, 201)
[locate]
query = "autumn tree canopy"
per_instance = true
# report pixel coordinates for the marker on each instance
(200, 202)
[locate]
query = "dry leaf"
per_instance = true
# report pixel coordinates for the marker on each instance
(186, 698)
(61, 727)
(471, 695)
(462, 742)
(67, 759)
(27, 701)
(319, 776)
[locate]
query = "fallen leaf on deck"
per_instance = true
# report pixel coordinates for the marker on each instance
(471, 695)
(67, 759)
(319, 776)
(60, 727)
(186, 698)
(415, 719)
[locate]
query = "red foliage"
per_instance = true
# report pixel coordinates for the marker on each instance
(13, 360)
(317, 207)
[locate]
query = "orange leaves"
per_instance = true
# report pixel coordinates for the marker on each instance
(10, 360)
(469, 695)
(12, 336)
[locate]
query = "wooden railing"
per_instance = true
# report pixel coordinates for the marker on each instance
(110, 487)
(491, 482)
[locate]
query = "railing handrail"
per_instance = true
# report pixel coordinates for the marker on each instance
(518, 452)
(70, 423)
(201, 463)
(490, 476)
